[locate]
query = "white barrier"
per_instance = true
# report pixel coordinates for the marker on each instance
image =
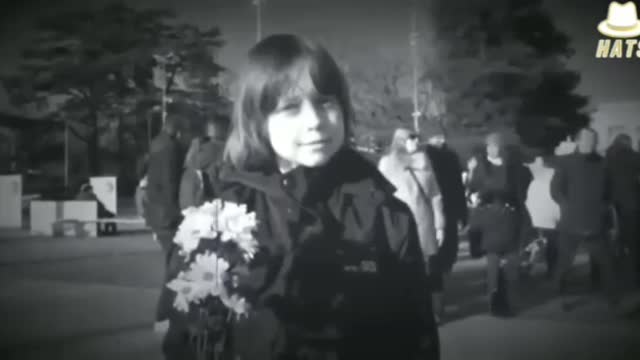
(105, 188)
(64, 218)
(10, 201)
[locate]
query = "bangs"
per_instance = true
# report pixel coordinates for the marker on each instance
(303, 70)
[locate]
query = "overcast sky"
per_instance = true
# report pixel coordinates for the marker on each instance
(361, 30)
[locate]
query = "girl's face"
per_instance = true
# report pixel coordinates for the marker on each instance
(493, 150)
(587, 141)
(306, 130)
(412, 143)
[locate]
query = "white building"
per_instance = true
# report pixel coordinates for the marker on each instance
(613, 118)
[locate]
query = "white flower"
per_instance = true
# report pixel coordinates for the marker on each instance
(247, 244)
(208, 271)
(186, 292)
(235, 221)
(195, 226)
(235, 303)
(212, 208)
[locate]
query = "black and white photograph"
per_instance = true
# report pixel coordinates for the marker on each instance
(320, 180)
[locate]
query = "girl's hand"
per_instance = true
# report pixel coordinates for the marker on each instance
(475, 199)
(565, 147)
(472, 164)
(440, 236)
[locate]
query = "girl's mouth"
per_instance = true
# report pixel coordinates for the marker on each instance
(315, 142)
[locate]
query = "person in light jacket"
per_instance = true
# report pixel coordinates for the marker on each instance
(410, 171)
(543, 211)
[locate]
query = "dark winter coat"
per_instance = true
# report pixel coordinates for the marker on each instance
(501, 215)
(164, 170)
(623, 170)
(339, 272)
(200, 173)
(448, 172)
(581, 187)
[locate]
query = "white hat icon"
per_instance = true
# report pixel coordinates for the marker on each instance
(622, 21)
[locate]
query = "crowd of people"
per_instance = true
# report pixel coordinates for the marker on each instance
(324, 207)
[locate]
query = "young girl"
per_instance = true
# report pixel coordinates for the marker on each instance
(410, 171)
(339, 273)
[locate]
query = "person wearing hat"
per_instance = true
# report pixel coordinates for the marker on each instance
(497, 181)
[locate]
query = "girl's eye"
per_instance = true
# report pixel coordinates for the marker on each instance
(328, 103)
(290, 107)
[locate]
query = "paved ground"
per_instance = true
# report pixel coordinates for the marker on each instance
(94, 299)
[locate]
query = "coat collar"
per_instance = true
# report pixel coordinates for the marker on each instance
(348, 172)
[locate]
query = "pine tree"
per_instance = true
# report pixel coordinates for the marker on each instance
(502, 63)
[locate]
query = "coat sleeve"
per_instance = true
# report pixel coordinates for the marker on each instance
(173, 175)
(457, 190)
(559, 183)
(187, 189)
(165, 171)
(476, 178)
(420, 331)
(436, 202)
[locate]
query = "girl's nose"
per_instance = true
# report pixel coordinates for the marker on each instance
(311, 114)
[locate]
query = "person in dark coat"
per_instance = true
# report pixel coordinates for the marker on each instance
(623, 167)
(200, 166)
(164, 169)
(140, 196)
(498, 181)
(339, 271)
(448, 171)
(581, 187)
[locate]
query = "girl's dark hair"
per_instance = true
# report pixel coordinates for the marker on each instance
(278, 66)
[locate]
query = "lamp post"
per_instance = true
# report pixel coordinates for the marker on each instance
(163, 68)
(163, 60)
(258, 5)
(413, 44)
(66, 155)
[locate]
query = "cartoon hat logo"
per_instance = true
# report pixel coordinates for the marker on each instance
(622, 21)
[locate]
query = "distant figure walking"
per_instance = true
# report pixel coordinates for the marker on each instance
(200, 166)
(623, 170)
(410, 171)
(580, 187)
(163, 209)
(448, 173)
(544, 212)
(496, 179)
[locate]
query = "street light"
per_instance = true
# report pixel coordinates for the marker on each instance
(258, 5)
(163, 60)
(413, 44)
(66, 154)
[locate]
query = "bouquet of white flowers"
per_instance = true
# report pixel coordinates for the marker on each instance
(213, 238)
